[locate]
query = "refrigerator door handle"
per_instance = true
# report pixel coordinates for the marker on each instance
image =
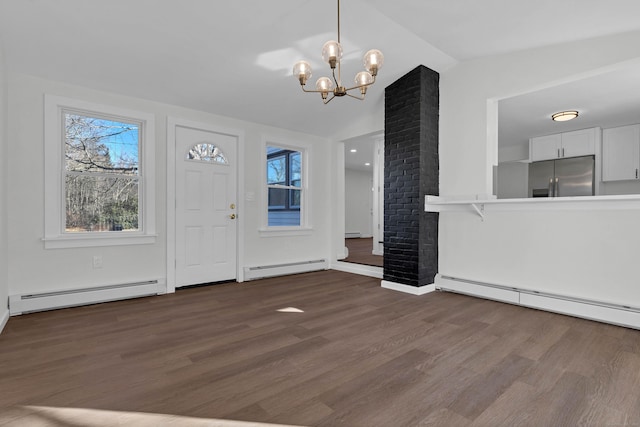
(556, 193)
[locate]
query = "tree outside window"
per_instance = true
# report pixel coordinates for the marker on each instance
(101, 174)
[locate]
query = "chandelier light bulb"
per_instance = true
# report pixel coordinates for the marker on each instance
(364, 78)
(332, 53)
(324, 84)
(302, 71)
(373, 61)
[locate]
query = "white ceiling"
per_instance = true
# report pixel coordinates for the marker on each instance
(234, 58)
(606, 100)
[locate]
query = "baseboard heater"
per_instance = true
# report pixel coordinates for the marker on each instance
(260, 272)
(27, 303)
(622, 315)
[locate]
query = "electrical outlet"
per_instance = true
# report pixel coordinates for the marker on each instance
(97, 261)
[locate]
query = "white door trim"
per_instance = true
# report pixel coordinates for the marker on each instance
(172, 122)
(378, 195)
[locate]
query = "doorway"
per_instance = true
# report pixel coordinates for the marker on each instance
(364, 199)
(205, 210)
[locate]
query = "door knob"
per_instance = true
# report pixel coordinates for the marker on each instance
(232, 216)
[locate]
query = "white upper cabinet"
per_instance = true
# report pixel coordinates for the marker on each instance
(567, 144)
(545, 147)
(621, 153)
(579, 142)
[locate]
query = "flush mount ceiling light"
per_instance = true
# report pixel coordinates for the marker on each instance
(332, 53)
(564, 116)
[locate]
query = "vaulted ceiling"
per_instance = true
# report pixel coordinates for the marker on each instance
(235, 58)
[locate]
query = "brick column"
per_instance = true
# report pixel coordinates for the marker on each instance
(411, 170)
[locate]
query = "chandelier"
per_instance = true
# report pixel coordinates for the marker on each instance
(332, 53)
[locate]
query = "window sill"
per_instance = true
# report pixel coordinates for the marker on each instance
(285, 231)
(61, 242)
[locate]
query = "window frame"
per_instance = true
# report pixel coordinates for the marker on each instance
(305, 226)
(55, 235)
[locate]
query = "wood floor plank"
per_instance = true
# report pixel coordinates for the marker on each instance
(485, 358)
(309, 387)
(308, 413)
(431, 395)
(441, 417)
(484, 392)
(360, 252)
(499, 413)
(358, 402)
(357, 355)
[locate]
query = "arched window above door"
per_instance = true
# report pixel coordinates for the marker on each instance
(207, 152)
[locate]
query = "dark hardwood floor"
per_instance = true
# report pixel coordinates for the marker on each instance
(360, 252)
(358, 355)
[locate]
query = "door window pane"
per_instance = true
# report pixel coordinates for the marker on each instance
(205, 152)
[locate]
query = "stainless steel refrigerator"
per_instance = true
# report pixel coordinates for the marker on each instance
(562, 177)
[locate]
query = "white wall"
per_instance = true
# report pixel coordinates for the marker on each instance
(590, 253)
(4, 287)
(262, 250)
(513, 180)
(31, 268)
(358, 202)
(513, 153)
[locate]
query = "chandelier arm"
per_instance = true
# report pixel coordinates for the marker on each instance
(336, 80)
(360, 86)
(310, 90)
(326, 101)
(356, 97)
(364, 85)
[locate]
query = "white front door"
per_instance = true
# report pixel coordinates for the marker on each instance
(206, 238)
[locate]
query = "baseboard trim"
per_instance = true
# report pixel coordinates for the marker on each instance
(363, 270)
(413, 290)
(4, 319)
(273, 270)
(600, 311)
(27, 303)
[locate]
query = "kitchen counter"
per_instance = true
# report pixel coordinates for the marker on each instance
(482, 206)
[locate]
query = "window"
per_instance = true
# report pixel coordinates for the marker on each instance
(101, 181)
(98, 175)
(284, 186)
